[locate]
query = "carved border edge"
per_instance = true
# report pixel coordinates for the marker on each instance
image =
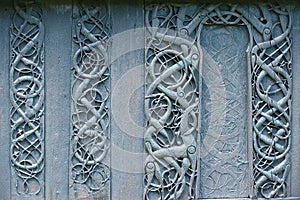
(27, 99)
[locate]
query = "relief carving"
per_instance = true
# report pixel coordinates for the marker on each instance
(173, 62)
(224, 165)
(27, 98)
(272, 82)
(172, 110)
(90, 95)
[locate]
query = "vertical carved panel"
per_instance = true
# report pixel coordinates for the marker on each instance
(27, 99)
(224, 154)
(173, 50)
(271, 82)
(90, 172)
(172, 109)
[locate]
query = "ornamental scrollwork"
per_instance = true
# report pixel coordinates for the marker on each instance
(172, 110)
(271, 105)
(173, 61)
(27, 98)
(90, 97)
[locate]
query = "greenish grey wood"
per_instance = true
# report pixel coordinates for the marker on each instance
(27, 101)
(90, 107)
(127, 74)
(224, 113)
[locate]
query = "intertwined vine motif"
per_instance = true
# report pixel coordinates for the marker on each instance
(90, 95)
(171, 108)
(27, 98)
(271, 85)
(172, 59)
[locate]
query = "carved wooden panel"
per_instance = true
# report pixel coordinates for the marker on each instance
(271, 101)
(90, 171)
(27, 99)
(172, 110)
(174, 52)
(149, 101)
(224, 154)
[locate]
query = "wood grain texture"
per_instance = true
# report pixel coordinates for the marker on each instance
(4, 105)
(58, 72)
(127, 101)
(295, 169)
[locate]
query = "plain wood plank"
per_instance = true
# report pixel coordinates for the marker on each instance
(294, 152)
(58, 37)
(5, 16)
(127, 116)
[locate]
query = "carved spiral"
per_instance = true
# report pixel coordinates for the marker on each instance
(27, 98)
(90, 93)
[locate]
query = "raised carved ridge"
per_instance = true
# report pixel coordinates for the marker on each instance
(90, 95)
(27, 98)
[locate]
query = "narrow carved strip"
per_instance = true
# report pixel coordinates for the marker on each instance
(271, 73)
(90, 95)
(224, 163)
(27, 98)
(171, 108)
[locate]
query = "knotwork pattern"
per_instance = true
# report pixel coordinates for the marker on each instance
(172, 57)
(171, 108)
(90, 94)
(27, 98)
(271, 90)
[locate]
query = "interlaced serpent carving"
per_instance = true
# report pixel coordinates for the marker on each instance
(271, 68)
(170, 67)
(27, 98)
(90, 94)
(171, 109)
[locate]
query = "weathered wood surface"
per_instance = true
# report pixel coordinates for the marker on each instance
(58, 82)
(5, 181)
(127, 119)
